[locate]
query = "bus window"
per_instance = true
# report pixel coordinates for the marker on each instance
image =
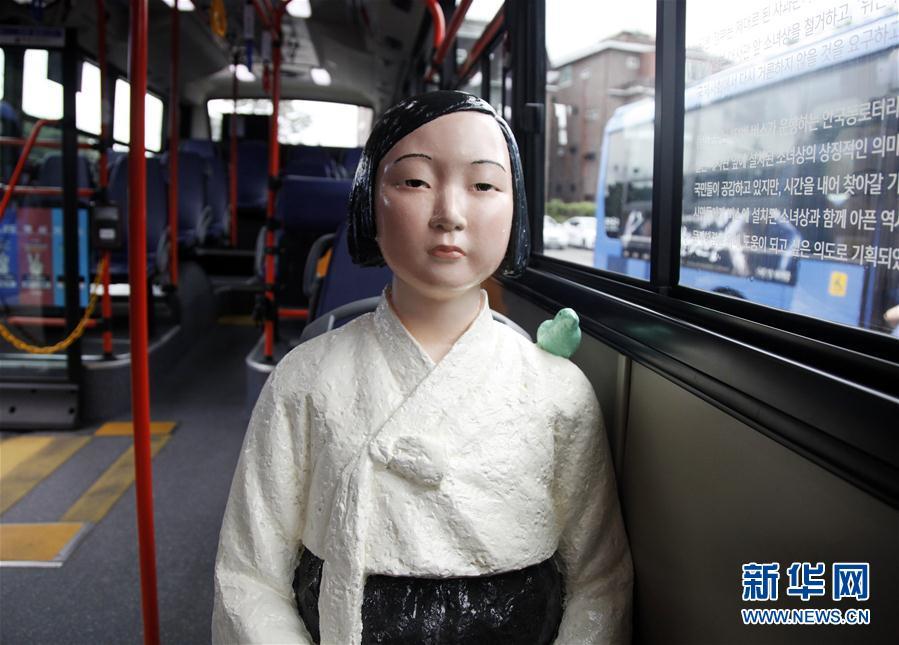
(87, 101)
(41, 97)
(790, 158)
(153, 115)
(598, 168)
(309, 123)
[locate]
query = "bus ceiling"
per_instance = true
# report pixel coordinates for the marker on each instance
(364, 45)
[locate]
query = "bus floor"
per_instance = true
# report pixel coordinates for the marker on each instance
(94, 597)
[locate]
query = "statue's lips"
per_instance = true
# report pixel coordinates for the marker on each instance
(446, 252)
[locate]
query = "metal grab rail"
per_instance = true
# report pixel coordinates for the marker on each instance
(45, 143)
(140, 369)
(450, 36)
(439, 22)
(490, 32)
(20, 164)
(41, 191)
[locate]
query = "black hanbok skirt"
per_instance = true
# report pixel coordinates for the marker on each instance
(521, 607)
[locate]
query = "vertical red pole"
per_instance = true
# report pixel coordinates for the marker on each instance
(140, 381)
(173, 149)
(233, 178)
(273, 172)
(106, 301)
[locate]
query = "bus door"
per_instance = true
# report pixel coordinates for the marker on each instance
(44, 230)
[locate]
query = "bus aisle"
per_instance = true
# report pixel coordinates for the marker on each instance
(95, 596)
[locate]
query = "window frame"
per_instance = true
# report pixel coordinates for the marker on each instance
(666, 213)
(828, 392)
(114, 78)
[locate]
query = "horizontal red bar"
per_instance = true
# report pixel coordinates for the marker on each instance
(45, 191)
(490, 32)
(293, 314)
(13, 141)
(42, 321)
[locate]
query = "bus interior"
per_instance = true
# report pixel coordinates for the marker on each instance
(750, 419)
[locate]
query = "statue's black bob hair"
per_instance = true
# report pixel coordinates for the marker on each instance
(400, 120)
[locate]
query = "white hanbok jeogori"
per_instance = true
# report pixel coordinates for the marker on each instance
(379, 461)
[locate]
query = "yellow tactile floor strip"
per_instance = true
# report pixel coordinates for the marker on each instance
(126, 429)
(27, 474)
(44, 544)
(100, 497)
(17, 450)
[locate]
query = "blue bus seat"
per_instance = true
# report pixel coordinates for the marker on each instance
(311, 161)
(252, 174)
(312, 204)
(156, 214)
(49, 173)
(348, 291)
(193, 213)
(217, 192)
(351, 159)
(307, 208)
(216, 186)
(305, 168)
(202, 147)
(346, 282)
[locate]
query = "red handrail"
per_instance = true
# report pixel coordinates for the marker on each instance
(451, 31)
(140, 377)
(439, 22)
(46, 143)
(274, 164)
(285, 313)
(45, 321)
(477, 49)
(42, 191)
(262, 12)
(20, 164)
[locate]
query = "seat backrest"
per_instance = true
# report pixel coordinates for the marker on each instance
(305, 168)
(193, 173)
(351, 159)
(49, 173)
(202, 147)
(252, 174)
(156, 213)
(217, 196)
(346, 282)
(216, 183)
(157, 203)
(314, 205)
(311, 161)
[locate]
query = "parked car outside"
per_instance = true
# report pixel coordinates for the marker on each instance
(554, 234)
(581, 231)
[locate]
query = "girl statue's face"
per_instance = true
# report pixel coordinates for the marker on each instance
(443, 204)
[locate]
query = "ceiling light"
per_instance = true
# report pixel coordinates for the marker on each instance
(183, 5)
(320, 76)
(244, 75)
(299, 8)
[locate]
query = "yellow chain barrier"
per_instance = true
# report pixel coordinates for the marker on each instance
(75, 335)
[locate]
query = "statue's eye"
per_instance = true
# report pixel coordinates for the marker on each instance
(484, 186)
(416, 183)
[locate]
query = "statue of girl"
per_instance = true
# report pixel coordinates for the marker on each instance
(425, 474)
